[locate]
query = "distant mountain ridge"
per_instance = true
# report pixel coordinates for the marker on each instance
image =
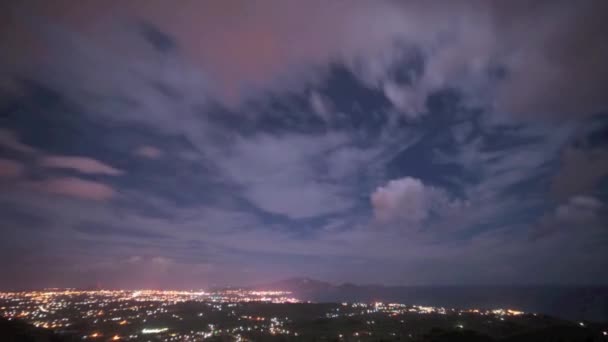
(297, 285)
(570, 302)
(303, 284)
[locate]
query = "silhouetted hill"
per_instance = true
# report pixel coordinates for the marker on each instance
(439, 335)
(18, 331)
(561, 333)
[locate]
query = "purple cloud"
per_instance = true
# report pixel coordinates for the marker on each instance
(10, 140)
(149, 152)
(73, 187)
(246, 182)
(81, 164)
(580, 171)
(578, 212)
(10, 168)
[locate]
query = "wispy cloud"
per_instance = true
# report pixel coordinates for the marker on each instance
(10, 141)
(579, 212)
(73, 187)
(10, 168)
(149, 152)
(580, 171)
(80, 164)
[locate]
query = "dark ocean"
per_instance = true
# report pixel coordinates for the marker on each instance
(568, 302)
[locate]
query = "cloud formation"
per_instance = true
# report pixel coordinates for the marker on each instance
(471, 44)
(407, 200)
(149, 152)
(278, 174)
(80, 164)
(10, 168)
(73, 187)
(580, 171)
(10, 141)
(214, 136)
(577, 213)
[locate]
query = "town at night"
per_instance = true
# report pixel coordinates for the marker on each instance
(252, 315)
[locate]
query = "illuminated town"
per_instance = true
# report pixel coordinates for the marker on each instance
(142, 314)
(235, 315)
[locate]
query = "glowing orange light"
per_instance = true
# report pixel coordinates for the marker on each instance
(93, 335)
(115, 338)
(123, 322)
(515, 312)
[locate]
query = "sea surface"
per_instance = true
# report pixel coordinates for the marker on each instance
(568, 302)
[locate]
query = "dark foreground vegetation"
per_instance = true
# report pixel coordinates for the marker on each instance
(313, 322)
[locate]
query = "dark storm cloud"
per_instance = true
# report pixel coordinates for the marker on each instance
(581, 171)
(424, 137)
(160, 40)
(557, 67)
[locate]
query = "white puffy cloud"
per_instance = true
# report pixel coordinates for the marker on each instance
(407, 200)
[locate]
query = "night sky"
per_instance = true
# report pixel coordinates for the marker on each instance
(189, 144)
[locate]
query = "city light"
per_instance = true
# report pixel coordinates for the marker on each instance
(154, 331)
(148, 312)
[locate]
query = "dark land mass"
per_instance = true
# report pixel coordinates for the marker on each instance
(310, 322)
(20, 331)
